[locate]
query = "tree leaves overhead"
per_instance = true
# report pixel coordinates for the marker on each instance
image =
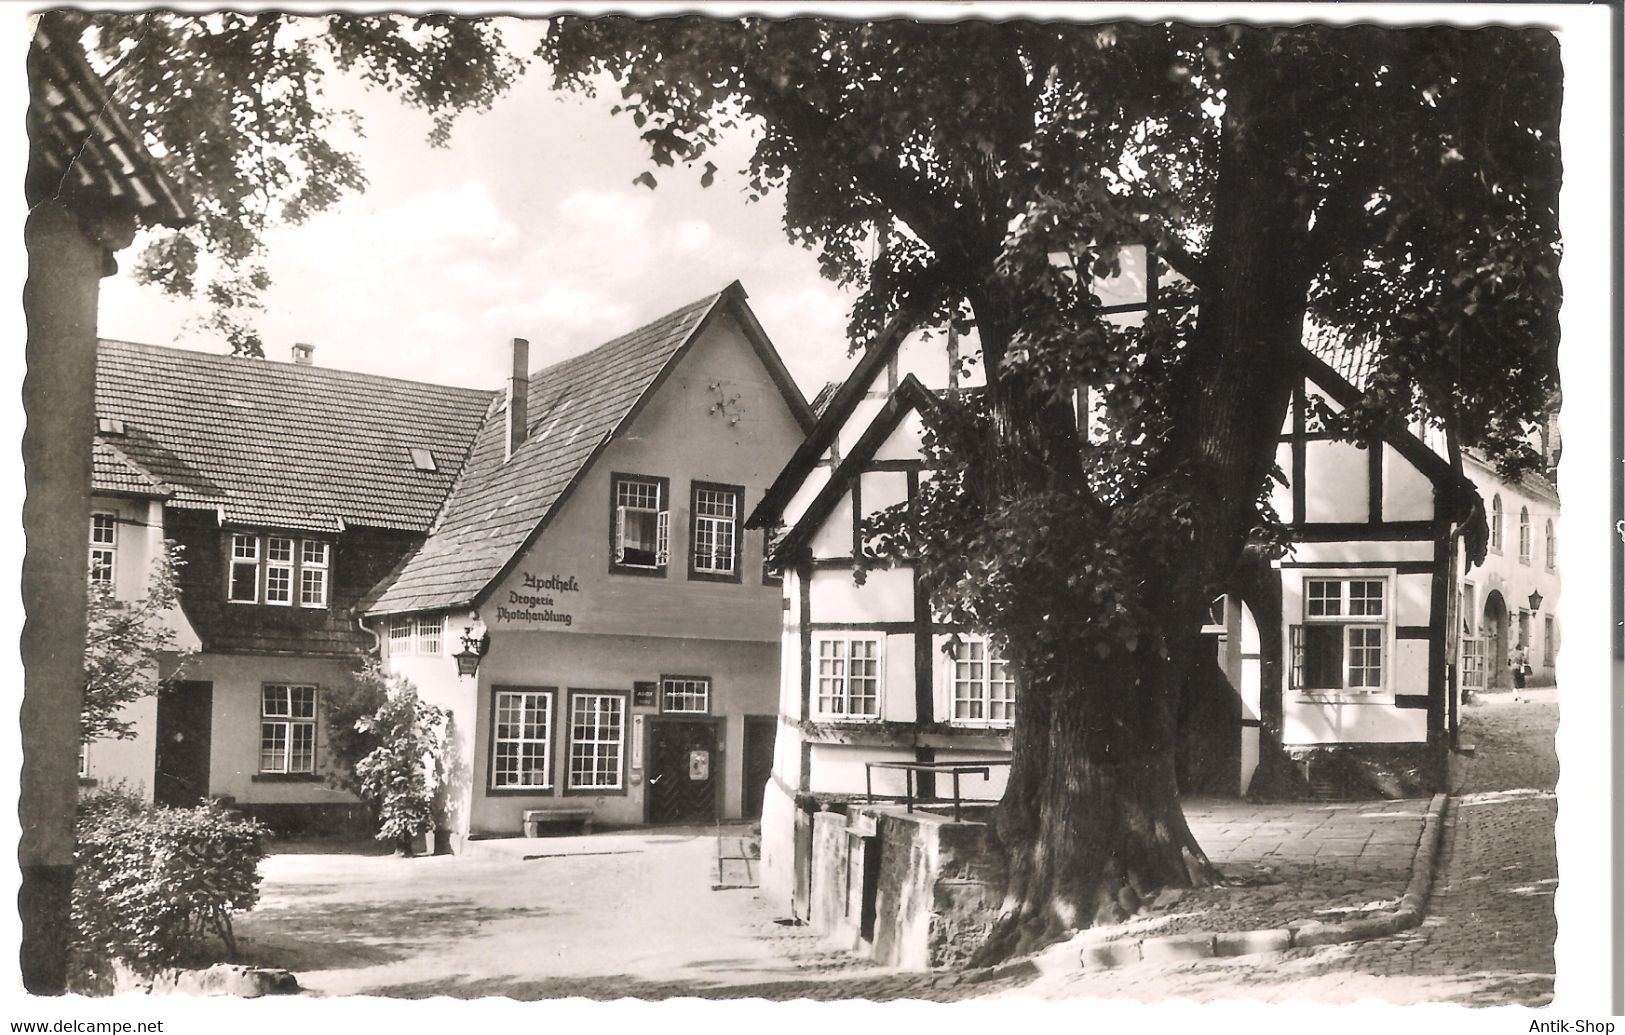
(233, 103)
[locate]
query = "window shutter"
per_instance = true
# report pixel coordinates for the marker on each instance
(1296, 678)
(663, 538)
(620, 535)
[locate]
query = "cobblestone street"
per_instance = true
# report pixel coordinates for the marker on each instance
(1488, 935)
(566, 917)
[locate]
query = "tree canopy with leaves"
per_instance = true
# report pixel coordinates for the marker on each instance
(233, 105)
(1395, 186)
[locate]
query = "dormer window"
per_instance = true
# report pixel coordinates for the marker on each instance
(313, 564)
(640, 536)
(244, 587)
(278, 570)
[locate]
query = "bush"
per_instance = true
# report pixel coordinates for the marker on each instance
(154, 883)
(403, 776)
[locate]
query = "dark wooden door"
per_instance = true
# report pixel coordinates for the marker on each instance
(757, 765)
(685, 781)
(181, 762)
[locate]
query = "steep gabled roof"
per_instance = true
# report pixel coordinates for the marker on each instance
(499, 507)
(284, 445)
(835, 405)
(910, 396)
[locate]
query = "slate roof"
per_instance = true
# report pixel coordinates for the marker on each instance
(113, 473)
(81, 150)
(1353, 361)
(283, 445)
(575, 406)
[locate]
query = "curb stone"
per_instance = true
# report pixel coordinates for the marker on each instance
(1169, 948)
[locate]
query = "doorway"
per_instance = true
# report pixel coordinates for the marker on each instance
(1495, 640)
(685, 780)
(181, 757)
(757, 766)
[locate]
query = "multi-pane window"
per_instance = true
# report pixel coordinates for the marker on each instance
(1526, 536)
(1551, 544)
(984, 691)
(522, 756)
(685, 694)
(422, 635)
(400, 635)
(103, 548)
(1341, 643)
(278, 570)
(431, 631)
(1496, 514)
(313, 565)
(715, 540)
(244, 586)
(1549, 641)
(848, 677)
(287, 729)
(642, 531)
(597, 736)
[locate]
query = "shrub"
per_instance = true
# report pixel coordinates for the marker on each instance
(403, 776)
(154, 883)
(345, 704)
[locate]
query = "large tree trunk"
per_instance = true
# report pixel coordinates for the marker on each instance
(1091, 822)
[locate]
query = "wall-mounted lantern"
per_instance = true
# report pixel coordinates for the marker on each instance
(476, 640)
(1534, 600)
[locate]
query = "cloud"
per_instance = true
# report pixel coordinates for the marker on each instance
(607, 212)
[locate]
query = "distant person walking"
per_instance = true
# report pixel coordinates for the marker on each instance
(1520, 665)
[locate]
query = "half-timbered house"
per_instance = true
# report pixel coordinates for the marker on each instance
(1337, 654)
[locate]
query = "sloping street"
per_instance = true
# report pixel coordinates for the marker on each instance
(1488, 935)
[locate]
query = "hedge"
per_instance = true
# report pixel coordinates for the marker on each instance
(153, 883)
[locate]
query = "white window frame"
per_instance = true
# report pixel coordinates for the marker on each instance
(1354, 627)
(662, 516)
(680, 689)
(1526, 537)
(1497, 520)
(596, 745)
(315, 559)
(429, 635)
(277, 567)
(243, 558)
(529, 703)
(719, 532)
(982, 683)
(400, 633)
(285, 720)
(1551, 545)
(839, 683)
(103, 548)
(254, 550)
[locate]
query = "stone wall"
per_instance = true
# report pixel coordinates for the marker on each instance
(912, 890)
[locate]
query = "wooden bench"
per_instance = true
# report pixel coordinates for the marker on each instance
(534, 819)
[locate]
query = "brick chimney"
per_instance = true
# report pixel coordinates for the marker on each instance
(518, 395)
(303, 353)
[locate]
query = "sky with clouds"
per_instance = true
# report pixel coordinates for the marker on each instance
(528, 225)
